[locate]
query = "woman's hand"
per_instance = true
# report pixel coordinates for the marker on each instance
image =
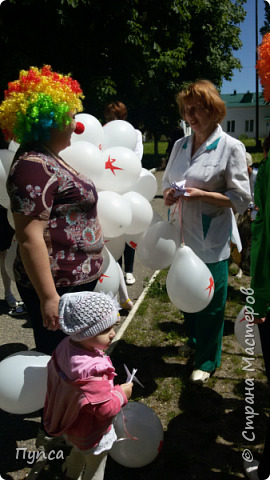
(215, 198)
(194, 194)
(168, 195)
(259, 320)
(49, 311)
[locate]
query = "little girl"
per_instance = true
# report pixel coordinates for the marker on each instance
(81, 398)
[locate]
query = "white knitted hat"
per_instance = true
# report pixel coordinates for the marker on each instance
(83, 315)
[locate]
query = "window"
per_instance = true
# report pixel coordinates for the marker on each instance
(249, 125)
(231, 126)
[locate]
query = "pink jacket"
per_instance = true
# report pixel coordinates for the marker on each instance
(81, 400)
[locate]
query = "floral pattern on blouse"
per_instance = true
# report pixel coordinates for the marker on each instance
(40, 186)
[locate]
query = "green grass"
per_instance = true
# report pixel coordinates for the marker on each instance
(148, 148)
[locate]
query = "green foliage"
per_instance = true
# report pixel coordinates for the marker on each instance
(140, 52)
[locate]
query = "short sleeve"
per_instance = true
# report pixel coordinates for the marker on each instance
(32, 186)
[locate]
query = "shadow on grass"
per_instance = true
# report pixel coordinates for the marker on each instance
(205, 440)
(149, 363)
(235, 295)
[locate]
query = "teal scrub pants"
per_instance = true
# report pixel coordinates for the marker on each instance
(205, 328)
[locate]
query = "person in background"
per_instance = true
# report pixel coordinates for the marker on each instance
(54, 206)
(118, 111)
(260, 291)
(81, 398)
(260, 266)
(6, 236)
(252, 173)
(213, 165)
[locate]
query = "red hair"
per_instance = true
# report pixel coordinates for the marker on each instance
(205, 94)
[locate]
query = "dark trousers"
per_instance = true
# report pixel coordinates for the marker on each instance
(129, 254)
(47, 340)
(264, 328)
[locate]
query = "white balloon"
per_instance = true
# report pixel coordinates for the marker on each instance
(142, 212)
(10, 217)
(13, 146)
(157, 246)
(121, 169)
(114, 213)
(141, 423)
(116, 246)
(119, 133)
(4, 198)
(156, 218)
(109, 280)
(10, 257)
(23, 382)
(146, 185)
(6, 157)
(132, 240)
(86, 158)
(93, 131)
(247, 335)
(190, 284)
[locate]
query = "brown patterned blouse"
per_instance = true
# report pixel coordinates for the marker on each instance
(40, 185)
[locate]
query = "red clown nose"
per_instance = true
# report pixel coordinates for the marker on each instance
(79, 128)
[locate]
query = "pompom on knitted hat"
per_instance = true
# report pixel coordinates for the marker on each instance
(83, 315)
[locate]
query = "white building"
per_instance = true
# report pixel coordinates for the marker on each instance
(241, 115)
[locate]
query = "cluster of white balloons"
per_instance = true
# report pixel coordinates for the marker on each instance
(106, 156)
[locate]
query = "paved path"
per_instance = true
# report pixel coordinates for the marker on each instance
(20, 431)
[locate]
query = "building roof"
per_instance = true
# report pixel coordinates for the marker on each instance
(247, 99)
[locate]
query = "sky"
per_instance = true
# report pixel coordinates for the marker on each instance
(246, 79)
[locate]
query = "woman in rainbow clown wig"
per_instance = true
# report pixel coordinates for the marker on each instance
(54, 207)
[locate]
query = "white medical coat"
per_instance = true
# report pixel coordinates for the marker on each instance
(219, 165)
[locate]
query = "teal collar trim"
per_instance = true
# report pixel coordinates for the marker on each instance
(213, 145)
(185, 145)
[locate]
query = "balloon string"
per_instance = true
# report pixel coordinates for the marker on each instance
(129, 436)
(180, 216)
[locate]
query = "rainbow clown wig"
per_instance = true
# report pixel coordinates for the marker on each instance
(263, 65)
(38, 101)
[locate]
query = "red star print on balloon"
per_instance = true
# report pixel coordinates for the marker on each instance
(109, 165)
(211, 285)
(101, 278)
(242, 319)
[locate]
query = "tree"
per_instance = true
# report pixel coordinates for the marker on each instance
(138, 51)
(266, 26)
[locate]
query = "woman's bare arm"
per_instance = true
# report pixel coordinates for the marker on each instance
(29, 233)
